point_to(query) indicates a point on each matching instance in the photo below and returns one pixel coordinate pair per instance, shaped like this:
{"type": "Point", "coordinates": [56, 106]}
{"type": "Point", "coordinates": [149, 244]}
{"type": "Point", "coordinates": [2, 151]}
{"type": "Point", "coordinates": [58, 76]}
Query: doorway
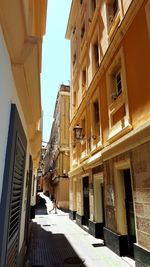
{"type": "Point", "coordinates": [86, 209]}
{"type": "Point", "coordinates": [102, 201]}
{"type": "Point", "coordinates": [75, 194]}
{"type": "Point", "coordinates": [130, 218]}
{"type": "Point", "coordinates": [98, 198]}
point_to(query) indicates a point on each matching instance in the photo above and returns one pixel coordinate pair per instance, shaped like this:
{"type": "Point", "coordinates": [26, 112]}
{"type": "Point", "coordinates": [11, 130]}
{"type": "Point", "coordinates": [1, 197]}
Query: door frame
{"type": "Point", "coordinates": [97, 182]}
{"type": "Point", "coordinates": [121, 218]}
{"type": "Point", "coordinates": [74, 185]}
{"type": "Point", "coordinates": [86, 219]}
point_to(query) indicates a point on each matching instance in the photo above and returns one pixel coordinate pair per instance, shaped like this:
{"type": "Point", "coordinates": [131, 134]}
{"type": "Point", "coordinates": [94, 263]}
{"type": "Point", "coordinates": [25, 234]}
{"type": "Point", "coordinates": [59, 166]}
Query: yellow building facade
{"type": "Point", "coordinates": [57, 157]}
{"type": "Point", "coordinates": [110, 101]}
{"type": "Point", "coordinates": [22, 26]}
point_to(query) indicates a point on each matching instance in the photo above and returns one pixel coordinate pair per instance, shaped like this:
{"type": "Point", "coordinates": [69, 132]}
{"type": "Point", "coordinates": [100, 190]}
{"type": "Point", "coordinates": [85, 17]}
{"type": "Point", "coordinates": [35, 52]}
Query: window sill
{"type": "Point", "coordinates": [117, 103]}
{"type": "Point", "coordinates": [83, 157]}
{"type": "Point", "coordinates": [96, 147]}
{"type": "Point", "coordinates": [83, 153]}
{"type": "Point", "coordinates": [74, 163]}
{"type": "Point", "coordinates": [119, 129]}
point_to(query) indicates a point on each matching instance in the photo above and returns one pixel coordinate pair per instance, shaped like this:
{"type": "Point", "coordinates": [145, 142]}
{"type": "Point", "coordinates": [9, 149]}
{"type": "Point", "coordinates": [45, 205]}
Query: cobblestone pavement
{"type": "Point", "coordinates": [56, 241]}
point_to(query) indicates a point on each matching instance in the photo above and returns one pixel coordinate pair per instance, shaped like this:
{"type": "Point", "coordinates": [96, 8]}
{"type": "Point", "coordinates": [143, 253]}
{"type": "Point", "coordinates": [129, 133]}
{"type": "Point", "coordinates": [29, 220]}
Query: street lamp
{"type": "Point", "coordinates": [77, 132]}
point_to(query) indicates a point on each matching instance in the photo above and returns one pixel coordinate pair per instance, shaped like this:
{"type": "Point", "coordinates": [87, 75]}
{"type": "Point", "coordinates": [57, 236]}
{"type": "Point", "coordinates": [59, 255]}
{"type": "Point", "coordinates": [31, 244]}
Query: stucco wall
{"type": "Point", "coordinates": [8, 95]}
{"type": "Point", "coordinates": [137, 58]}
{"type": "Point", "coordinates": [62, 193]}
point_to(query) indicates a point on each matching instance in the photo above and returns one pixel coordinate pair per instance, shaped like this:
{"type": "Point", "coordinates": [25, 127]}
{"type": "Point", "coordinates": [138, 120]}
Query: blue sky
{"type": "Point", "coordinates": [55, 59]}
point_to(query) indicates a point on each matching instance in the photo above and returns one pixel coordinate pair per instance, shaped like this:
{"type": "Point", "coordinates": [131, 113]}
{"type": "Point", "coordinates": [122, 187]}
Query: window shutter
{"type": "Point", "coordinates": [16, 203]}
{"type": "Point", "coordinates": [28, 187]}
{"type": "Point", "coordinates": [12, 191]}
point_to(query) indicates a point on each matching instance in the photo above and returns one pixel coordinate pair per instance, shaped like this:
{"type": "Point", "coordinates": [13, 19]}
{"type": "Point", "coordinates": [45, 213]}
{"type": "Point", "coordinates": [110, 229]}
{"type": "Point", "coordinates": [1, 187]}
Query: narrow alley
{"type": "Point", "coordinates": [57, 241]}
{"type": "Point", "coordinates": [75, 133]}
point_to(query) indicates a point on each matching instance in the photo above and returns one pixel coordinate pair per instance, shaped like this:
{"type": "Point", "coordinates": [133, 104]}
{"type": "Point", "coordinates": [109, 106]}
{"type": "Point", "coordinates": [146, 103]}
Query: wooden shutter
{"type": "Point", "coordinates": [16, 203]}
{"type": "Point", "coordinates": [28, 187]}
{"type": "Point", "coordinates": [12, 191]}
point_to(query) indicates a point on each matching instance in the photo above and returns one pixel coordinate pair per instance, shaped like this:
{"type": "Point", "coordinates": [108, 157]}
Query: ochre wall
{"type": "Point", "coordinates": [136, 46]}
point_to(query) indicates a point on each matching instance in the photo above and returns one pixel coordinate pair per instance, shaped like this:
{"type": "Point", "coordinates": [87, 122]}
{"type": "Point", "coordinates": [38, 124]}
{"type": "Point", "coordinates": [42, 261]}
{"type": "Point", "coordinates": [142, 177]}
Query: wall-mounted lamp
{"type": "Point", "coordinates": [77, 132]}
{"type": "Point", "coordinates": [78, 137]}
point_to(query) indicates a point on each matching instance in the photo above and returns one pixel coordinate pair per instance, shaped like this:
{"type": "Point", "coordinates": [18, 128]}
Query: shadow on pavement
{"type": "Point", "coordinates": [51, 250]}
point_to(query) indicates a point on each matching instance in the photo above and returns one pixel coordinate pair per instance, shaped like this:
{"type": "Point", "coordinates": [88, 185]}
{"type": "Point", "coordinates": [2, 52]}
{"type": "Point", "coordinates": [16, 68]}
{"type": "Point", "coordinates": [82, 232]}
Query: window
{"type": "Point", "coordinates": [116, 84]}
{"type": "Point", "coordinates": [74, 59]}
{"type": "Point", "coordinates": [95, 123]}
{"type": "Point", "coordinates": [112, 8]}
{"type": "Point", "coordinates": [82, 31]}
{"type": "Point", "coordinates": [96, 118]}
{"type": "Point", "coordinates": [74, 30]}
{"type": "Point", "coordinates": [115, 79]}
{"type": "Point", "coordinates": [113, 16]}
{"type": "Point", "coordinates": [92, 7]}
{"type": "Point", "coordinates": [95, 56]}
{"type": "Point", "coordinates": [83, 80]}
{"type": "Point", "coordinates": [84, 141]}
{"type": "Point", "coordinates": [118, 110]}
{"type": "Point", "coordinates": [83, 128]}
{"type": "Point", "coordinates": [74, 99]}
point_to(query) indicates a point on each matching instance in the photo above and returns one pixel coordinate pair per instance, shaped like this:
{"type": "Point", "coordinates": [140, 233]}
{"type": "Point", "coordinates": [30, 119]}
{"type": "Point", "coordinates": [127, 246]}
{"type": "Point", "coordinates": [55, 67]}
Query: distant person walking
{"type": "Point", "coordinates": [54, 205]}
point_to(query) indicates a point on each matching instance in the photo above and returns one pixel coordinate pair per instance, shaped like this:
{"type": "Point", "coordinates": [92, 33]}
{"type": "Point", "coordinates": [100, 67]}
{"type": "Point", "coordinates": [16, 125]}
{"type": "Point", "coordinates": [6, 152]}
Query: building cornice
{"type": "Point", "coordinates": [23, 25]}
{"type": "Point", "coordinates": [91, 162]}
{"type": "Point", "coordinates": [72, 18]}
{"type": "Point", "coordinates": [131, 140]}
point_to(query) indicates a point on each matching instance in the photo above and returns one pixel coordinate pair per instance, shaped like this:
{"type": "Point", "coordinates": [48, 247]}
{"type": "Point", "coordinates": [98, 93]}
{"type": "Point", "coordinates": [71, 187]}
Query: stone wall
{"type": "Point", "coordinates": [140, 158]}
